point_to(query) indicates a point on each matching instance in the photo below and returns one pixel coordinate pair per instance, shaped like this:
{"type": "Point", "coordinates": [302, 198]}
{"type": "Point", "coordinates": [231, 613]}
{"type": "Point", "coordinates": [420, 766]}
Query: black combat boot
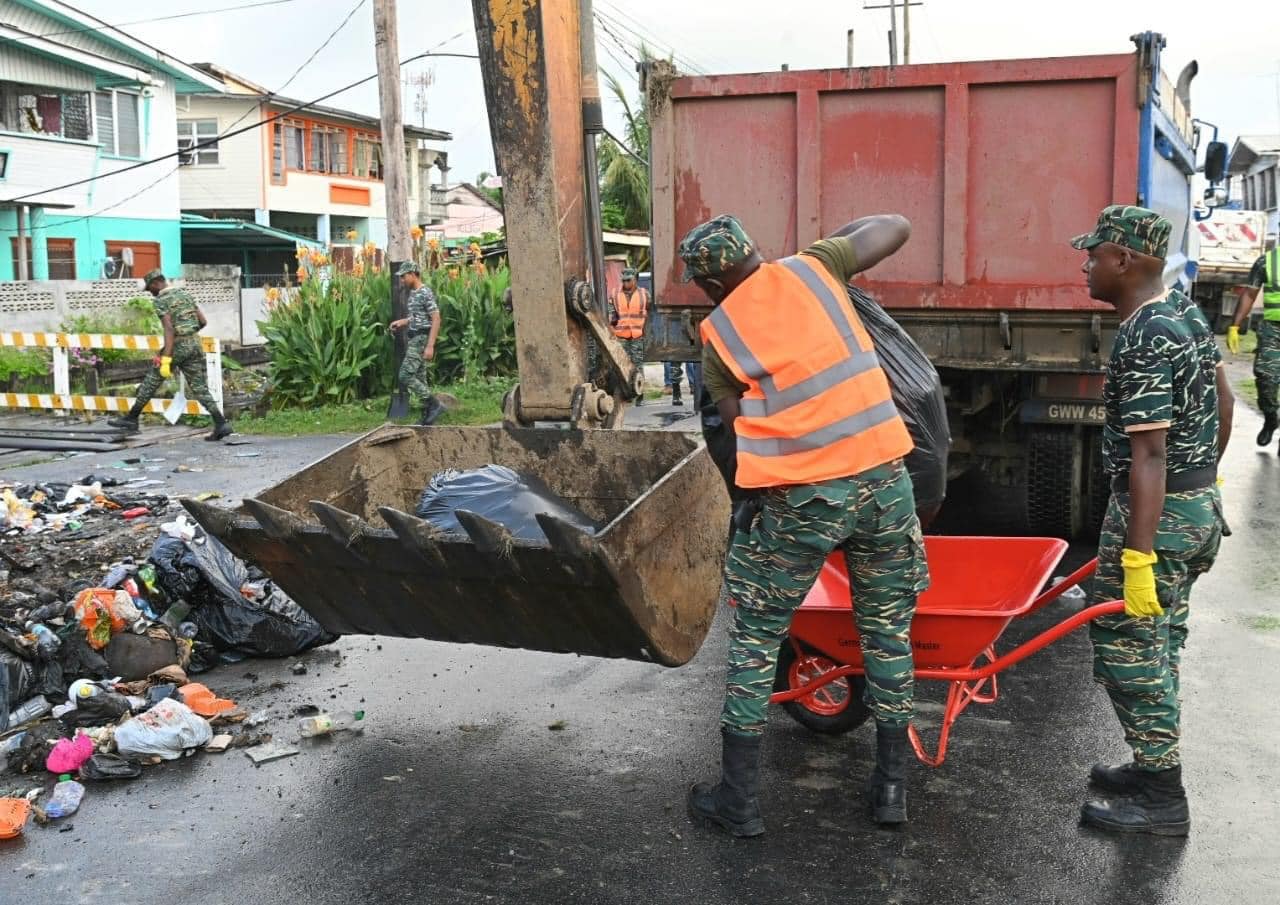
{"type": "Point", "coordinates": [128, 421]}
{"type": "Point", "coordinates": [221, 428]}
{"type": "Point", "coordinates": [887, 787]}
{"type": "Point", "coordinates": [675, 394]}
{"type": "Point", "coordinates": [431, 411]}
{"type": "Point", "coordinates": [731, 803]}
{"type": "Point", "coordinates": [1157, 805]}
{"type": "Point", "coordinates": [1120, 779]}
{"type": "Point", "coordinates": [1269, 425]}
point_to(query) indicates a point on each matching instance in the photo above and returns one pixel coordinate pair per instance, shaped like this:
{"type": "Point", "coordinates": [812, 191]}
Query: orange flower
{"type": "Point", "coordinates": [351, 235]}
{"type": "Point", "coordinates": [358, 268]}
{"type": "Point", "coordinates": [416, 232]}
{"type": "Point", "coordinates": [300, 252]}
{"type": "Point", "coordinates": [370, 249]}
{"type": "Point", "coordinates": [433, 243]}
{"type": "Point", "coordinates": [302, 274]}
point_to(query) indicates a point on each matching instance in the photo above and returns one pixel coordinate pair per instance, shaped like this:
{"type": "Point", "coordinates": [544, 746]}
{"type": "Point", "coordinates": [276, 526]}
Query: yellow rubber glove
{"type": "Point", "coordinates": [1233, 339]}
{"type": "Point", "coordinates": [166, 366]}
{"type": "Point", "coordinates": [1140, 599]}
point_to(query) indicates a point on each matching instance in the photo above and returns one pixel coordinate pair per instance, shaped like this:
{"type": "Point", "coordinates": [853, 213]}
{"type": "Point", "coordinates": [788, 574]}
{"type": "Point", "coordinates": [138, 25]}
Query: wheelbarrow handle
{"type": "Point", "coordinates": [1053, 593]}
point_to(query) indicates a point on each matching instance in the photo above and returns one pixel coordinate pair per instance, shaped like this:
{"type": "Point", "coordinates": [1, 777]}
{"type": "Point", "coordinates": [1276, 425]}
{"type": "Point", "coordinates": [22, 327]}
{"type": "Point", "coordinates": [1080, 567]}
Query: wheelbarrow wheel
{"type": "Point", "coordinates": [834, 708]}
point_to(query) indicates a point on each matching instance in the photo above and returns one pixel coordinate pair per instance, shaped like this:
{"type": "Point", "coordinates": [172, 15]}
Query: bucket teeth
{"type": "Point", "coordinates": [566, 539]}
{"type": "Point", "coordinates": [217, 521]}
{"type": "Point", "coordinates": [279, 524]}
{"type": "Point", "coordinates": [416, 534]}
{"type": "Point", "coordinates": [346, 529]}
{"type": "Point", "coordinates": [493, 540]}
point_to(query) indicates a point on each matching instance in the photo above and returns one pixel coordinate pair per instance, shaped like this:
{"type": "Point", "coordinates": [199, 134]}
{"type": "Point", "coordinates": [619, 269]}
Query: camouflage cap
{"type": "Point", "coordinates": [628, 273]}
{"type": "Point", "coordinates": [711, 248]}
{"type": "Point", "coordinates": [408, 267]}
{"type": "Point", "coordinates": [1136, 228]}
{"type": "Point", "coordinates": [152, 275]}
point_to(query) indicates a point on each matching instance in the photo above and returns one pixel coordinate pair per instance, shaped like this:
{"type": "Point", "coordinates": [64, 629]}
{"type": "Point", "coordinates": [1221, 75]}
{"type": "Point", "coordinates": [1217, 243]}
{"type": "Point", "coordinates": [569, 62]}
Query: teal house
{"type": "Point", "coordinates": [81, 100]}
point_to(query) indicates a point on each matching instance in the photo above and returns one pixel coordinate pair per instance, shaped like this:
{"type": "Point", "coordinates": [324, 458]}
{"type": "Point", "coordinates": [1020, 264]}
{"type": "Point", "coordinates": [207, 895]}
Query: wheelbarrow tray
{"type": "Point", "coordinates": [977, 586]}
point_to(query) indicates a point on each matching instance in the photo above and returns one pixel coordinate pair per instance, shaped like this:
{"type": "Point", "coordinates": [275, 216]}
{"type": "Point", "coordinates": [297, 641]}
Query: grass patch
{"type": "Point", "coordinates": [1249, 343]}
{"type": "Point", "coordinates": [1248, 389]}
{"type": "Point", "coordinates": [1264, 623]}
{"type": "Point", "coordinates": [479, 402]}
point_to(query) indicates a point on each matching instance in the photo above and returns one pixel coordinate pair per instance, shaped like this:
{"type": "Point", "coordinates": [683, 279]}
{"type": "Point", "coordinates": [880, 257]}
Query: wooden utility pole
{"type": "Point", "coordinates": [892, 7]}
{"type": "Point", "coordinates": [386, 47]}
{"type": "Point", "coordinates": [848, 50]}
{"type": "Point", "coordinates": [906, 32]}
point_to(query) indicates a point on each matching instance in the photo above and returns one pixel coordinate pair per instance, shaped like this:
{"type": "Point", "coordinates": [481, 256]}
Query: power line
{"type": "Point", "coordinates": [195, 12]}
{"type": "Point", "coordinates": [333, 34]}
{"type": "Point", "coordinates": [605, 22]}
{"type": "Point", "coordinates": [622, 17]}
{"type": "Point", "coordinates": [212, 141]}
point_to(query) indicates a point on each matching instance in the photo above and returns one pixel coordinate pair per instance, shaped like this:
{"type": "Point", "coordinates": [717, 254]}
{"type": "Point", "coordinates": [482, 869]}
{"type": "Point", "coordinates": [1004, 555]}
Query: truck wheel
{"type": "Point", "coordinates": [1055, 507]}
{"type": "Point", "coordinates": [832, 709]}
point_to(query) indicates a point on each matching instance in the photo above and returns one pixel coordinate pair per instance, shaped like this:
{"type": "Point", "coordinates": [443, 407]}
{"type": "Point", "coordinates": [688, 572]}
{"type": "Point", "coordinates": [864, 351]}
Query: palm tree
{"type": "Point", "coordinates": [624, 177]}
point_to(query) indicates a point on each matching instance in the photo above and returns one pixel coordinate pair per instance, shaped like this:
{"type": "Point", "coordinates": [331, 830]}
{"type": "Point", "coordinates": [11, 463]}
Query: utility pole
{"type": "Point", "coordinates": [892, 7]}
{"type": "Point", "coordinates": [848, 51]}
{"type": "Point", "coordinates": [386, 46]}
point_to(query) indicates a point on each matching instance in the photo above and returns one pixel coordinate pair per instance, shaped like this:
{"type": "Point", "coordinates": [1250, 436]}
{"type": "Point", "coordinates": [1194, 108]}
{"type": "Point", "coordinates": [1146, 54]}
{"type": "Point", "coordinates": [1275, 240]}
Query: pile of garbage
{"type": "Point", "coordinates": [32, 509]}
{"type": "Point", "coordinates": [94, 677]}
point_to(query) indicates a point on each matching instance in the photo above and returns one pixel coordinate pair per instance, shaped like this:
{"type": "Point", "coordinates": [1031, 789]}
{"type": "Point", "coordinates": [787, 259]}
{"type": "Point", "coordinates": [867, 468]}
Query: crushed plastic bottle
{"type": "Point", "coordinates": [1073, 594]}
{"type": "Point", "coordinates": [116, 576]}
{"type": "Point", "coordinates": [66, 798]}
{"type": "Point", "coordinates": [47, 643]}
{"type": "Point", "coordinates": [31, 710]}
{"type": "Point", "coordinates": [329, 723]}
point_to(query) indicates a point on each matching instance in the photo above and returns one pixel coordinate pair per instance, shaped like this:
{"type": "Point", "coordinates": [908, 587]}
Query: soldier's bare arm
{"type": "Point", "coordinates": [875, 238]}
{"type": "Point", "coordinates": [169, 336]}
{"type": "Point", "coordinates": [430, 351]}
{"type": "Point", "coordinates": [201, 318]}
{"type": "Point", "coordinates": [1226, 410]}
{"type": "Point", "coordinates": [1247, 298]}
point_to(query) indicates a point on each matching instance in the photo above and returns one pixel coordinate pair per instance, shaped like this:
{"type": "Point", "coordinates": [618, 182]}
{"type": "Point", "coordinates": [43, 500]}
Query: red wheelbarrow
{"type": "Point", "coordinates": [978, 586]}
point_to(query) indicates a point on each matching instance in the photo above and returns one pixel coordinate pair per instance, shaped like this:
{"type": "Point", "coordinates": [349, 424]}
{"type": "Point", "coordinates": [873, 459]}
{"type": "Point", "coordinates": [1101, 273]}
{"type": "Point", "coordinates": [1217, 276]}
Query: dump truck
{"type": "Point", "coordinates": [997, 164]}
{"type": "Point", "coordinates": [338, 536]}
{"type": "Point", "coordinates": [1230, 242]}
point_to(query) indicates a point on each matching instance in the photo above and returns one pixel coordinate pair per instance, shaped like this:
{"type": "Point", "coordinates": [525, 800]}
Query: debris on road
{"type": "Point", "coordinates": [264, 754]}
{"type": "Point", "coordinates": [14, 813]}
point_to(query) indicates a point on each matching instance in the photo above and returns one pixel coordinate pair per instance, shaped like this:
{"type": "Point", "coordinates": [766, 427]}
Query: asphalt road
{"type": "Point", "coordinates": [459, 792]}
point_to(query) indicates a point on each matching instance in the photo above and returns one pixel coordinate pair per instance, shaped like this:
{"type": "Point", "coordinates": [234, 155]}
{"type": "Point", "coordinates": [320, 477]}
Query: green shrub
{"type": "Point", "coordinates": [477, 333]}
{"type": "Point", "coordinates": [25, 363]}
{"type": "Point", "coordinates": [136, 318]}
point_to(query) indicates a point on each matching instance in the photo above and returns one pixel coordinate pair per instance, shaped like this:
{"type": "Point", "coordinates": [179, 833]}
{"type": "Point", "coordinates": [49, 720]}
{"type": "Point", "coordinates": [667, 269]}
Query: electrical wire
{"type": "Point", "coordinates": [195, 12]}
{"type": "Point", "coordinates": [609, 25]}
{"type": "Point", "coordinates": [629, 23]}
{"type": "Point", "coordinates": [231, 134]}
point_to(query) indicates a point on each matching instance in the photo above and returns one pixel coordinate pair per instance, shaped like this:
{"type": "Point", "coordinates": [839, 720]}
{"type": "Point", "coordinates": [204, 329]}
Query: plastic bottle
{"type": "Point", "coordinates": [117, 575]}
{"type": "Point", "coordinates": [66, 798]}
{"type": "Point", "coordinates": [47, 643]}
{"type": "Point", "coordinates": [147, 575]}
{"type": "Point", "coordinates": [31, 710]}
{"type": "Point", "coordinates": [188, 630]}
{"type": "Point", "coordinates": [329, 723]}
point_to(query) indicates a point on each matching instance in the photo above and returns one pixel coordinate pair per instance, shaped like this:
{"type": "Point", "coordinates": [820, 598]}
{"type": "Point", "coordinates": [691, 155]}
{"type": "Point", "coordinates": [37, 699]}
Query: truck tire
{"type": "Point", "coordinates": [831, 710]}
{"type": "Point", "coordinates": [1055, 505]}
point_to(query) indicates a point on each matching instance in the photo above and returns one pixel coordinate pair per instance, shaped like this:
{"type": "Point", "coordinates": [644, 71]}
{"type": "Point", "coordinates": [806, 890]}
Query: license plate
{"type": "Point", "coordinates": [1066, 411]}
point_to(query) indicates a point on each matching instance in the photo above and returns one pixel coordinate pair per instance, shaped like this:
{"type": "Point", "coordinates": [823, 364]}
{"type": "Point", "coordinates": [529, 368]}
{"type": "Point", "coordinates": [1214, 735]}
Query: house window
{"type": "Point", "coordinates": [146, 257]}
{"type": "Point", "coordinates": [294, 144]}
{"type": "Point", "coordinates": [328, 151]}
{"type": "Point", "coordinates": [44, 111]}
{"type": "Point", "coordinates": [13, 254]}
{"type": "Point", "coordinates": [277, 153]}
{"type": "Point", "coordinates": [198, 131]}
{"type": "Point", "coordinates": [119, 124]}
{"type": "Point", "coordinates": [368, 157]}
{"type": "Point", "coordinates": [62, 258]}
{"type": "Point", "coordinates": [1270, 176]}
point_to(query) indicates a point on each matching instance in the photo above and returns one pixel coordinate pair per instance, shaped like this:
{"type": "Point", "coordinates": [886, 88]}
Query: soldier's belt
{"type": "Point", "coordinates": [414, 334]}
{"type": "Point", "coordinates": [1180, 482]}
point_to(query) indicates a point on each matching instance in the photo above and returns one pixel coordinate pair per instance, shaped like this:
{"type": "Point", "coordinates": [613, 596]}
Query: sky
{"type": "Point", "coordinates": [1238, 87]}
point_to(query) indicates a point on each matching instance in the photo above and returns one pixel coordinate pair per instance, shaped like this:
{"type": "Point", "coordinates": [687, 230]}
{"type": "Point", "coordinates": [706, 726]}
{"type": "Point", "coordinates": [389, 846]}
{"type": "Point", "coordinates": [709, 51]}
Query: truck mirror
{"type": "Point", "coordinates": [1215, 161]}
{"type": "Point", "coordinates": [1215, 196]}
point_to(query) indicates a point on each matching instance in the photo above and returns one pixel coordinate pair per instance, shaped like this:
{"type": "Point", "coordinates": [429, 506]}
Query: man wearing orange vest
{"type": "Point", "coordinates": [627, 312]}
{"type": "Point", "coordinates": [820, 442]}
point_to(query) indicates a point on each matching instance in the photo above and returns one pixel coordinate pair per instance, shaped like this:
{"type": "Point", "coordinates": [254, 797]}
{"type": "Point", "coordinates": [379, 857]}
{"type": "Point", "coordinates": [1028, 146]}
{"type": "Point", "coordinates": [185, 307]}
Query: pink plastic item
{"type": "Point", "coordinates": [69, 754]}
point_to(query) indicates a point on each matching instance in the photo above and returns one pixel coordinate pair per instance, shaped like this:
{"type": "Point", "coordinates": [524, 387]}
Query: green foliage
{"type": "Point", "coordinates": [136, 318]}
{"type": "Point", "coordinates": [477, 333]}
{"type": "Point", "coordinates": [624, 179]}
{"type": "Point", "coordinates": [25, 363]}
{"type": "Point", "coordinates": [326, 340]}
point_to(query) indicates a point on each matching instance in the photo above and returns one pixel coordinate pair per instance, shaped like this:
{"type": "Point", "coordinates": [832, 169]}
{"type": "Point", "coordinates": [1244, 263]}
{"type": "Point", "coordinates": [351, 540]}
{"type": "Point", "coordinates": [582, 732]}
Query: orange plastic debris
{"type": "Point", "coordinates": [203, 701]}
{"type": "Point", "coordinates": [96, 613]}
{"type": "Point", "coordinates": [13, 816]}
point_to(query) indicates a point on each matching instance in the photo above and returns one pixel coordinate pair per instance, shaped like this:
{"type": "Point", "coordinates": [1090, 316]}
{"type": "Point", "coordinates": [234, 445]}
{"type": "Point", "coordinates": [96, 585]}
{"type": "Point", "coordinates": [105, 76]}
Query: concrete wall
{"type": "Point", "coordinates": [238, 179]}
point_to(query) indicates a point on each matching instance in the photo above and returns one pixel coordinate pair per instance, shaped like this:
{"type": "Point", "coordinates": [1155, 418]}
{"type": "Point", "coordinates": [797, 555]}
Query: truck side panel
{"type": "Point", "coordinates": [996, 163]}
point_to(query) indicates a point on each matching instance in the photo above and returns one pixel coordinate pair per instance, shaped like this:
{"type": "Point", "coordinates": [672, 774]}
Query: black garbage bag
{"type": "Point", "coordinates": [500, 495]}
{"type": "Point", "coordinates": [209, 577]}
{"type": "Point", "coordinates": [917, 391]}
{"type": "Point", "coordinates": [17, 681]}
{"type": "Point", "coordinates": [105, 767]}
{"type": "Point", "coordinates": [101, 709]}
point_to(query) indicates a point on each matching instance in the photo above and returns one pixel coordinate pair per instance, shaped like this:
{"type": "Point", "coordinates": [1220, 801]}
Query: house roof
{"type": "Point", "coordinates": [238, 86]}
{"type": "Point", "coordinates": [187, 79]}
{"type": "Point", "coordinates": [479, 195]}
{"type": "Point", "coordinates": [1249, 149]}
{"type": "Point", "coordinates": [205, 232]}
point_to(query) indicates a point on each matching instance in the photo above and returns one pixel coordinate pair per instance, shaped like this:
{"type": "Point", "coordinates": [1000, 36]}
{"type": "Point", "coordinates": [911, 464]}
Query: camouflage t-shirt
{"type": "Point", "coordinates": [1162, 374]}
{"type": "Point", "coordinates": [422, 304]}
{"type": "Point", "coordinates": [181, 308]}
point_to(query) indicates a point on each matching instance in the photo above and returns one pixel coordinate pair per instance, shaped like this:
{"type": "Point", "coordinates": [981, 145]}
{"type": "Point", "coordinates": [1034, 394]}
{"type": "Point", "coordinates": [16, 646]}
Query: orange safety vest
{"type": "Point", "coordinates": [817, 404]}
{"type": "Point", "coordinates": [631, 313]}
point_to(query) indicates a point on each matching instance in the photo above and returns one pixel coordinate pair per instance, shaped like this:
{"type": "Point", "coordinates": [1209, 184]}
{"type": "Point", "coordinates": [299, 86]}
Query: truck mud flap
{"type": "Point", "coordinates": [339, 538]}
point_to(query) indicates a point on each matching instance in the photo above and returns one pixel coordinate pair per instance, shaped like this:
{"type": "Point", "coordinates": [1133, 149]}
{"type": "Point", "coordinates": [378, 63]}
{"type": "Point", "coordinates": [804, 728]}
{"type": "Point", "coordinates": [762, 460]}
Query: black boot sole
{"type": "Point", "coordinates": [1179, 829]}
{"type": "Point", "coordinates": [748, 830]}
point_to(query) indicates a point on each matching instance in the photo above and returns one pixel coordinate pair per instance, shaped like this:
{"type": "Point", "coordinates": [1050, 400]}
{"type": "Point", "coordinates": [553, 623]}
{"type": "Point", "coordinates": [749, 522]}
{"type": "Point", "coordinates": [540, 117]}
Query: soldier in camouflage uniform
{"type": "Point", "coordinates": [628, 309]}
{"type": "Point", "coordinates": [423, 325]}
{"type": "Point", "coordinates": [1168, 417]}
{"type": "Point", "coordinates": [182, 320]}
{"type": "Point", "coordinates": [784, 534]}
{"type": "Point", "coordinates": [1264, 278]}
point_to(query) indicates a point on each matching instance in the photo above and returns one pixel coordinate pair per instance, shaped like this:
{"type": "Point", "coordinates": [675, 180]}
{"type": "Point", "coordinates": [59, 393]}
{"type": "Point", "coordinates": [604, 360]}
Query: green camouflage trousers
{"type": "Point", "coordinates": [414, 368]}
{"type": "Point", "coordinates": [1137, 660]}
{"type": "Point", "coordinates": [1266, 367]}
{"type": "Point", "coordinates": [635, 350]}
{"type": "Point", "coordinates": [872, 519]}
{"type": "Point", "coordinates": [188, 358]}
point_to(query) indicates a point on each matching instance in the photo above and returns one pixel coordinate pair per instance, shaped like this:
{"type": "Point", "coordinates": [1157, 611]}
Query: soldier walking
{"type": "Point", "coordinates": [820, 452]}
{"type": "Point", "coordinates": [1168, 418]}
{"type": "Point", "coordinates": [1264, 277]}
{"type": "Point", "coordinates": [628, 309]}
{"type": "Point", "coordinates": [182, 320]}
{"type": "Point", "coordinates": [423, 325]}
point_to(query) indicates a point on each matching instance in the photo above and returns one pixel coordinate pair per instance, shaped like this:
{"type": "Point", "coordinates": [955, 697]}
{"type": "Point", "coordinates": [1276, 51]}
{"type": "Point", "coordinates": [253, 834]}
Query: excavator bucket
{"type": "Point", "coordinates": [339, 538]}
